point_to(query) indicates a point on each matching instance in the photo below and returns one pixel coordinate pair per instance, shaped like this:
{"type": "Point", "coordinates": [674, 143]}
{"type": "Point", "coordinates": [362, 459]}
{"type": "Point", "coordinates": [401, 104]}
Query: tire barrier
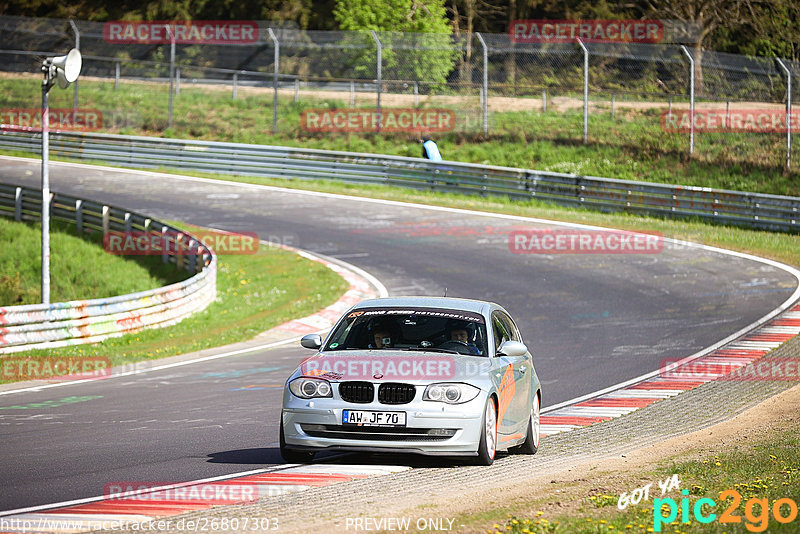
{"type": "Point", "coordinates": [60, 324]}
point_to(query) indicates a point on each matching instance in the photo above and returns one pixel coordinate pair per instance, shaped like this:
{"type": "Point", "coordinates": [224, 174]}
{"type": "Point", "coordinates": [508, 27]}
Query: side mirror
{"type": "Point", "coordinates": [311, 341]}
{"type": "Point", "coordinates": [512, 348]}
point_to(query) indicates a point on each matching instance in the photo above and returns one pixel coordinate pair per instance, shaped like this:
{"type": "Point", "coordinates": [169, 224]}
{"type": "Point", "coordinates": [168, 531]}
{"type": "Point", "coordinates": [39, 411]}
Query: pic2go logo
{"type": "Point", "coordinates": [756, 511]}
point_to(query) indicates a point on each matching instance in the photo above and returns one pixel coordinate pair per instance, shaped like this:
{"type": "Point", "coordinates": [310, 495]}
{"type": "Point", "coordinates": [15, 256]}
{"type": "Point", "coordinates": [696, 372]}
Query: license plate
{"type": "Point", "coordinates": [373, 418]}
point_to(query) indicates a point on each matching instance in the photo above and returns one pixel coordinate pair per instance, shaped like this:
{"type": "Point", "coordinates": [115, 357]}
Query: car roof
{"type": "Point", "coordinates": [476, 306]}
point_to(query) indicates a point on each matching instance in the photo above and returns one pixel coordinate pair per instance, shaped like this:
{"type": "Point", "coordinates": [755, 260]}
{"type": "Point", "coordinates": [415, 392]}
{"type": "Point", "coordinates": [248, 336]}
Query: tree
{"type": "Point", "coordinates": [707, 15]}
{"type": "Point", "coordinates": [424, 51]}
{"type": "Point", "coordinates": [470, 16]}
{"type": "Point", "coordinates": [772, 30]}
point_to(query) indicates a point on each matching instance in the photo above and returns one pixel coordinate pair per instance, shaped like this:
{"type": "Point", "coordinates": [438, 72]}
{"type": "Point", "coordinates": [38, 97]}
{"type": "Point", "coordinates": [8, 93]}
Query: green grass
{"type": "Point", "coordinates": [630, 146]}
{"type": "Point", "coordinates": [254, 293]}
{"type": "Point", "coordinates": [767, 469]}
{"type": "Point", "coordinates": [96, 274]}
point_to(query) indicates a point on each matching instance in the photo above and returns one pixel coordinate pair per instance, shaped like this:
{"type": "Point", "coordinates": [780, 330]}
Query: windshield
{"type": "Point", "coordinates": [424, 329]}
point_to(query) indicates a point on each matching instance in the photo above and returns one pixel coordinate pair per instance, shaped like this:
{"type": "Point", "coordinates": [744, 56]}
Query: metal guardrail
{"type": "Point", "coordinates": [89, 321]}
{"type": "Point", "coordinates": [755, 210]}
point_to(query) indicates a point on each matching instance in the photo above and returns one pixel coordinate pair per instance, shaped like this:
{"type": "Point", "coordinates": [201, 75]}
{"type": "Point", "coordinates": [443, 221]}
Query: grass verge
{"type": "Point", "coordinates": [630, 145]}
{"type": "Point", "coordinates": [254, 293]}
{"type": "Point", "coordinates": [96, 275]}
{"type": "Point", "coordinates": [750, 485]}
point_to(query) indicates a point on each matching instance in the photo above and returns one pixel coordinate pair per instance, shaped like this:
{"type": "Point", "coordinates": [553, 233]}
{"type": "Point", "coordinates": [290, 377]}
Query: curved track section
{"type": "Point", "coordinates": [592, 321]}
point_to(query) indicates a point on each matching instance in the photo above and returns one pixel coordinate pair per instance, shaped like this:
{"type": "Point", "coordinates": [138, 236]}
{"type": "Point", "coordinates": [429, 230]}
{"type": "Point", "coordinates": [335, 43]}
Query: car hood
{"type": "Point", "coordinates": [396, 365]}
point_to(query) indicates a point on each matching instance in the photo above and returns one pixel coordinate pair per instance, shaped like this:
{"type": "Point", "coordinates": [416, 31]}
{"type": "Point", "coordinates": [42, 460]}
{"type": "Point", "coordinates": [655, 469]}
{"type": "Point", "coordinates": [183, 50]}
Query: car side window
{"type": "Point", "coordinates": [511, 327]}
{"type": "Point", "coordinates": [500, 331]}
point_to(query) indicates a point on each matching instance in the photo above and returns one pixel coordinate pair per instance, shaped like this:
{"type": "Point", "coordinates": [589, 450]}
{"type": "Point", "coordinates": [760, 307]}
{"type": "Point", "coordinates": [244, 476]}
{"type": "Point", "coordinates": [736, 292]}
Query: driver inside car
{"type": "Point", "coordinates": [381, 339]}
{"type": "Point", "coordinates": [461, 334]}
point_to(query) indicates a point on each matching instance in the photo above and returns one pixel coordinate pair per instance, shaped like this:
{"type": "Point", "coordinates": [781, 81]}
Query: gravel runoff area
{"type": "Point", "coordinates": [429, 491]}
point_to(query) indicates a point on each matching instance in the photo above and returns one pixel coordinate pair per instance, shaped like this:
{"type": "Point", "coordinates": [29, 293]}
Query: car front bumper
{"type": "Point", "coordinates": [432, 428]}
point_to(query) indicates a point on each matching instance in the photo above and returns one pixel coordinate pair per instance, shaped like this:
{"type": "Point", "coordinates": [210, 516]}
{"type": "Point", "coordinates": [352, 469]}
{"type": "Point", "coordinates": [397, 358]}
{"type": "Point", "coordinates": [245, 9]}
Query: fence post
{"type": "Point", "coordinates": [105, 213]}
{"type": "Point", "coordinates": [379, 81]}
{"type": "Point", "coordinates": [171, 70]}
{"type": "Point", "coordinates": [296, 89]}
{"type": "Point", "coordinates": [585, 91]}
{"type": "Point", "coordinates": [116, 75]}
{"type": "Point", "coordinates": [612, 105]}
{"type": "Point", "coordinates": [691, 98]}
{"type": "Point", "coordinates": [192, 255]}
{"type": "Point", "coordinates": [79, 216]}
{"type": "Point", "coordinates": [544, 100]}
{"type": "Point", "coordinates": [276, 60]}
{"type": "Point", "coordinates": [164, 245]}
{"type": "Point", "coordinates": [78, 47]}
{"type": "Point", "coordinates": [788, 113]}
{"type": "Point", "coordinates": [727, 113]}
{"type": "Point", "coordinates": [352, 93]}
{"type": "Point", "coordinates": [485, 110]}
{"type": "Point", "coordinates": [177, 80]}
{"type": "Point", "coordinates": [235, 84]}
{"type": "Point", "coordinates": [18, 204]}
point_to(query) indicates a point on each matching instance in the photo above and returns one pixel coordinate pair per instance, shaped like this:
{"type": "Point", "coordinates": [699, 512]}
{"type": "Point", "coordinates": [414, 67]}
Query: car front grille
{"type": "Point", "coordinates": [360, 392]}
{"type": "Point", "coordinates": [391, 393]}
{"type": "Point", "coordinates": [378, 433]}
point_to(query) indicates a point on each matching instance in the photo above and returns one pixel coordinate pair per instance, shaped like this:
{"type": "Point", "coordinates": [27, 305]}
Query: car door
{"type": "Point", "coordinates": [514, 389]}
{"type": "Point", "coordinates": [523, 373]}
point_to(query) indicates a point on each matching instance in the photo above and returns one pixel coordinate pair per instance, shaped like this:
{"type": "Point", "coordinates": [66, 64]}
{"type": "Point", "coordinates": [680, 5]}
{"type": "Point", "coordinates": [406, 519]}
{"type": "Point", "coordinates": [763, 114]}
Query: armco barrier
{"type": "Point", "coordinates": [88, 321]}
{"type": "Point", "coordinates": [754, 210]}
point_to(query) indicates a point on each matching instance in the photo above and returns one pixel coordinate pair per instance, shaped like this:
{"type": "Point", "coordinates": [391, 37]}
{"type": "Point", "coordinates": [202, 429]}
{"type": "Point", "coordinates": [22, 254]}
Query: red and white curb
{"type": "Point", "coordinates": [157, 504]}
{"type": "Point", "coordinates": [715, 365]}
{"type": "Point", "coordinates": [362, 286]}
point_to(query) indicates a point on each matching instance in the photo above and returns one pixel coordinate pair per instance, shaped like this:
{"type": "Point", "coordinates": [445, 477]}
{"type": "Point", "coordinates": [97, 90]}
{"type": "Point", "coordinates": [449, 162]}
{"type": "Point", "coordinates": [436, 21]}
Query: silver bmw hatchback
{"type": "Point", "coordinates": [428, 375]}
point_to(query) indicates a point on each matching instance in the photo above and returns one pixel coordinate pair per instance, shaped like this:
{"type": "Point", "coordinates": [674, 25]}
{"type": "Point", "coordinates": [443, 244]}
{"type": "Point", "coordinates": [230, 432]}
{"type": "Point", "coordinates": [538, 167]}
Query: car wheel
{"type": "Point", "coordinates": [531, 443]}
{"type": "Point", "coordinates": [294, 456]}
{"type": "Point", "coordinates": [487, 448]}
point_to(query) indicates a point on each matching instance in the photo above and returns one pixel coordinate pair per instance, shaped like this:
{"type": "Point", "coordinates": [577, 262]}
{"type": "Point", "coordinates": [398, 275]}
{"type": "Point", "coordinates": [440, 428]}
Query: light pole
{"type": "Point", "coordinates": [64, 70]}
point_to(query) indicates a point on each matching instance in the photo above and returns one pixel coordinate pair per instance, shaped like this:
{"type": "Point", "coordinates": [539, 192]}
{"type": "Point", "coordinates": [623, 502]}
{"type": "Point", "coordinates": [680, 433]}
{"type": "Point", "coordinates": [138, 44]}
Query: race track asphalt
{"type": "Point", "coordinates": [591, 321]}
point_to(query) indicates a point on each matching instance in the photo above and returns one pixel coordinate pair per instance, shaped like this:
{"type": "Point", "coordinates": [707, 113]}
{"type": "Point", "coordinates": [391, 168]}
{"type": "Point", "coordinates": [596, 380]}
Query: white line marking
{"type": "Point", "coordinates": [379, 287]}
{"type": "Point", "coordinates": [87, 500]}
{"type": "Point", "coordinates": [683, 244]}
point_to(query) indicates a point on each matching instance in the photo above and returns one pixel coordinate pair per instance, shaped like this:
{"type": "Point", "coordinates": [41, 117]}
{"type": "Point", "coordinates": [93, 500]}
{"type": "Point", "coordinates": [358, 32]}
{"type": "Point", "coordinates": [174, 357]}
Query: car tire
{"type": "Point", "coordinates": [487, 447]}
{"type": "Point", "coordinates": [293, 456]}
{"type": "Point", "coordinates": [531, 443]}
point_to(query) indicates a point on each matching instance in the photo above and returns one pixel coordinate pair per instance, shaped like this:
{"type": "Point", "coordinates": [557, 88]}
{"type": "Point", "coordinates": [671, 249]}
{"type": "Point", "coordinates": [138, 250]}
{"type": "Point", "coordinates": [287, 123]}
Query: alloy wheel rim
{"type": "Point", "coordinates": [535, 419]}
{"type": "Point", "coordinates": [491, 429]}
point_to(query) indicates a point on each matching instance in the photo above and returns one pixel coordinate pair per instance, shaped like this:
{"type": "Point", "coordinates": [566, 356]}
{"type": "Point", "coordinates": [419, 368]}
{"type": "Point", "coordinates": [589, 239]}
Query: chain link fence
{"type": "Point", "coordinates": [695, 103]}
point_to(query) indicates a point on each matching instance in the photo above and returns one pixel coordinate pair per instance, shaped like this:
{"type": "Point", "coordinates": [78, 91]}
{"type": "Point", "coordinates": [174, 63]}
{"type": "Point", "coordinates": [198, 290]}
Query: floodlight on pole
{"type": "Point", "coordinates": [64, 70]}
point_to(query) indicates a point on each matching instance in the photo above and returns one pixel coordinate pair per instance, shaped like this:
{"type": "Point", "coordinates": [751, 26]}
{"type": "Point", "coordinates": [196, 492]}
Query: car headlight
{"type": "Point", "coordinates": [310, 388]}
{"type": "Point", "coordinates": [451, 393]}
